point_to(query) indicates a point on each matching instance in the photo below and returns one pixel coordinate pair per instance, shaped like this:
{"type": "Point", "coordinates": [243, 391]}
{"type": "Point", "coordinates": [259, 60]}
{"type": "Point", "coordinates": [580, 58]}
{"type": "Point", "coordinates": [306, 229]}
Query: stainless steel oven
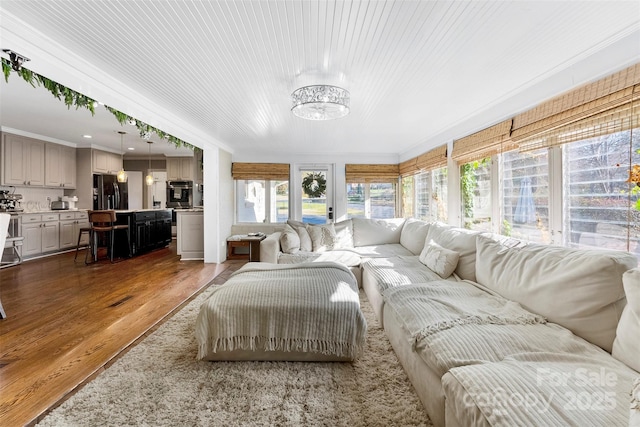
{"type": "Point", "coordinates": [180, 194]}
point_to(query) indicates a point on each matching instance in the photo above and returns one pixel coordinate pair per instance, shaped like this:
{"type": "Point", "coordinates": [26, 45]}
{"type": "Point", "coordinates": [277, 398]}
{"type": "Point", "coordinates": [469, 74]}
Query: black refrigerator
{"type": "Point", "coordinates": [108, 193]}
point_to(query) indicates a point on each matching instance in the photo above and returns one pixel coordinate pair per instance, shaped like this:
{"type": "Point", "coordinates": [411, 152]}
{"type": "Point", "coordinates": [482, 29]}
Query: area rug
{"type": "Point", "coordinates": [159, 382]}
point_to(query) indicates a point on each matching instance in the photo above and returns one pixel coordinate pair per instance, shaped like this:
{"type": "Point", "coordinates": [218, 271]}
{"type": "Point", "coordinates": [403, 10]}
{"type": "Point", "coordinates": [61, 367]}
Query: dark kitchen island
{"type": "Point", "coordinates": [149, 228]}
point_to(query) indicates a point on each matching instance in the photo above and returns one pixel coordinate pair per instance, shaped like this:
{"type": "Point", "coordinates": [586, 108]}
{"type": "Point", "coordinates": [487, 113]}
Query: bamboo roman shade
{"type": "Point", "coordinates": [279, 171]}
{"type": "Point", "coordinates": [485, 143]}
{"type": "Point", "coordinates": [596, 109]}
{"type": "Point", "coordinates": [356, 173]}
{"type": "Point", "coordinates": [432, 159]}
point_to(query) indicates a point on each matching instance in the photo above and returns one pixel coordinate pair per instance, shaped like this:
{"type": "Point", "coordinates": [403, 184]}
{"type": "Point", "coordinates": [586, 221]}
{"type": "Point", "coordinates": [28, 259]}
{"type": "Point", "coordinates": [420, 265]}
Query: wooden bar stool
{"type": "Point", "coordinates": [80, 233]}
{"type": "Point", "coordinates": [104, 222]}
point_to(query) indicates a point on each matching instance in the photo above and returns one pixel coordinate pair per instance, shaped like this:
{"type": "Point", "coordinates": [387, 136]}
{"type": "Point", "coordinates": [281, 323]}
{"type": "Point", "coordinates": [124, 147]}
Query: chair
{"type": "Point", "coordinates": [4, 229]}
{"type": "Point", "coordinates": [104, 222]}
{"type": "Point", "coordinates": [80, 233]}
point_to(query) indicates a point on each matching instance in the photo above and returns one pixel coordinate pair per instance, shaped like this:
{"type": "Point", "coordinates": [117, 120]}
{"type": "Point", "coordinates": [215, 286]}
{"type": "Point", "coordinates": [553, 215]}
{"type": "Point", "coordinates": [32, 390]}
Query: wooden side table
{"type": "Point", "coordinates": [244, 241]}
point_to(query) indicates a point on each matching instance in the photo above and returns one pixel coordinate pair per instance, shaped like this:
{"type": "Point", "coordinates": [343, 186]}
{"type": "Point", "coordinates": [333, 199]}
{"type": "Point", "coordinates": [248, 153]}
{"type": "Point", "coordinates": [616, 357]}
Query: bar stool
{"type": "Point", "coordinates": [80, 233]}
{"type": "Point", "coordinates": [105, 222]}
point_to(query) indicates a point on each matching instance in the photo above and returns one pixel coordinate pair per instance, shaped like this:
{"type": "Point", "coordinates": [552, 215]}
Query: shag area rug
{"type": "Point", "coordinates": [159, 382]}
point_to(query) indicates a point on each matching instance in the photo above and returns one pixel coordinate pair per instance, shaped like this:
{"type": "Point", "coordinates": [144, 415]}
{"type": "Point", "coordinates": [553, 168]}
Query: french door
{"type": "Point", "coordinates": [315, 193]}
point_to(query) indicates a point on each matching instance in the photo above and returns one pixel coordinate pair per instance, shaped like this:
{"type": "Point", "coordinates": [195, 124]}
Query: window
{"type": "Point", "coordinates": [255, 204]}
{"type": "Point", "coordinates": [424, 195]}
{"type": "Point", "coordinates": [525, 195]}
{"type": "Point", "coordinates": [600, 205]}
{"type": "Point", "coordinates": [374, 200]}
{"type": "Point", "coordinates": [475, 191]}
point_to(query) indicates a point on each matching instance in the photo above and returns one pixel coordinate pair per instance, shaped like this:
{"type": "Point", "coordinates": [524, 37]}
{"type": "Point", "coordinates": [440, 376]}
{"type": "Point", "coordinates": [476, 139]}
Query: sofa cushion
{"type": "Point", "coordinates": [369, 232]}
{"type": "Point", "coordinates": [305, 239]}
{"type": "Point", "coordinates": [323, 237]}
{"type": "Point", "coordinates": [289, 240]}
{"type": "Point", "coordinates": [441, 260]}
{"type": "Point", "coordinates": [344, 234]}
{"type": "Point", "coordinates": [459, 240]}
{"type": "Point", "coordinates": [413, 235]}
{"type": "Point", "coordinates": [578, 289]}
{"type": "Point", "coordinates": [626, 346]}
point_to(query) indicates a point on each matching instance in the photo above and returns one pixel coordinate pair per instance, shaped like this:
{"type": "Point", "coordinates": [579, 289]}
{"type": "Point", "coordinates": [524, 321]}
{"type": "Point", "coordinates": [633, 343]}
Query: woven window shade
{"type": "Point", "coordinates": [605, 95]}
{"type": "Point", "coordinates": [432, 159]}
{"type": "Point", "coordinates": [273, 171]}
{"type": "Point", "coordinates": [408, 167]}
{"type": "Point", "coordinates": [356, 173]}
{"type": "Point", "coordinates": [485, 143]}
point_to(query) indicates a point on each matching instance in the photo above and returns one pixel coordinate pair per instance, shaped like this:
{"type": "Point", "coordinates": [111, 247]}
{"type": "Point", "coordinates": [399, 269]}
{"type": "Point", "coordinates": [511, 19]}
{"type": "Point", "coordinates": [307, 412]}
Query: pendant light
{"type": "Point", "coordinates": [122, 175]}
{"type": "Point", "coordinates": [149, 178]}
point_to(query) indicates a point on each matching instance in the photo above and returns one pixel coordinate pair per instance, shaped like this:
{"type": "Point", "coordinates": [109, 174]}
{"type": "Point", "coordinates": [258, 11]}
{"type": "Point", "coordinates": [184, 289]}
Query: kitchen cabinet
{"type": "Point", "coordinates": [105, 162]}
{"type": "Point", "coordinates": [180, 169]}
{"type": "Point", "coordinates": [150, 229]}
{"type": "Point", "coordinates": [70, 225]}
{"type": "Point", "coordinates": [60, 166]}
{"type": "Point", "coordinates": [22, 161]}
{"type": "Point", "coordinates": [41, 234]}
{"type": "Point", "coordinates": [190, 244]}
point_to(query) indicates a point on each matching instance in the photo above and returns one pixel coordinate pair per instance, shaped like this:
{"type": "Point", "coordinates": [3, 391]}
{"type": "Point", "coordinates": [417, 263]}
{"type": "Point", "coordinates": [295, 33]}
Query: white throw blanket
{"type": "Point", "coordinates": [426, 308]}
{"type": "Point", "coordinates": [311, 307]}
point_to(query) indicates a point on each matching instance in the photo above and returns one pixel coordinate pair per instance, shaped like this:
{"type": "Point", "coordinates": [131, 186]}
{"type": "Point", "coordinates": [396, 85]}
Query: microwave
{"type": "Point", "coordinates": [180, 194]}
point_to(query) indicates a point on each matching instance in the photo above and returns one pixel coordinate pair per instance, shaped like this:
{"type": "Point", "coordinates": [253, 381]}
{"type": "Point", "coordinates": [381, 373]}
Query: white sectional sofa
{"type": "Point", "coordinates": [492, 330]}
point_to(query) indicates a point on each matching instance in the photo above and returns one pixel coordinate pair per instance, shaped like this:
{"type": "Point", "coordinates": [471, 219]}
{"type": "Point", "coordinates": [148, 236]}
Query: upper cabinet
{"type": "Point", "coordinates": [30, 162]}
{"type": "Point", "coordinates": [105, 162]}
{"type": "Point", "coordinates": [22, 161]}
{"type": "Point", "coordinates": [60, 166]}
{"type": "Point", "coordinates": [180, 168]}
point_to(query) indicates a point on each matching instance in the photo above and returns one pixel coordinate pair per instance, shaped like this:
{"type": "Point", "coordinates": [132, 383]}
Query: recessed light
{"type": "Point", "coordinates": [87, 136]}
{"type": "Point", "coordinates": [131, 149]}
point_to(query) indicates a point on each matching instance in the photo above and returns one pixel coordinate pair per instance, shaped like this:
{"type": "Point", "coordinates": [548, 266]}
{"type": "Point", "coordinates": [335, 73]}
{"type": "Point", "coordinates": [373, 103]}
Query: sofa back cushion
{"type": "Point", "coordinates": [369, 232]}
{"type": "Point", "coordinates": [303, 234]}
{"type": "Point", "coordinates": [459, 240]}
{"type": "Point", "coordinates": [626, 346]}
{"type": "Point", "coordinates": [578, 289]}
{"type": "Point", "coordinates": [344, 234]}
{"type": "Point", "coordinates": [413, 235]}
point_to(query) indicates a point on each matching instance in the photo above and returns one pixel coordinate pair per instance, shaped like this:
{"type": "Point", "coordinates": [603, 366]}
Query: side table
{"type": "Point", "coordinates": [244, 241]}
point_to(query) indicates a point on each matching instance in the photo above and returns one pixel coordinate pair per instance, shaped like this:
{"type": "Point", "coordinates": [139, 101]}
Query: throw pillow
{"type": "Point", "coordinates": [301, 229]}
{"type": "Point", "coordinates": [440, 260]}
{"type": "Point", "coordinates": [289, 240]}
{"type": "Point", "coordinates": [344, 234]}
{"type": "Point", "coordinates": [626, 346]}
{"type": "Point", "coordinates": [323, 237]}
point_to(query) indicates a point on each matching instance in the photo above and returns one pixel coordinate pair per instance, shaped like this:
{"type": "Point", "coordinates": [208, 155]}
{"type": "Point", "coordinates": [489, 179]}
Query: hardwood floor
{"type": "Point", "coordinates": [67, 321]}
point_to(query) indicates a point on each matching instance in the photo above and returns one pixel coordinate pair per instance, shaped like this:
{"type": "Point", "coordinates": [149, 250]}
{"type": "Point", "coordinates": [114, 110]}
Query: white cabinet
{"type": "Point", "coordinates": [22, 161]}
{"type": "Point", "coordinates": [190, 236]}
{"type": "Point", "coordinates": [180, 169]}
{"type": "Point", "coordinates": [41, 233]}
{"type": "Point", "coordinates": [105, 162]}
{"type": "Point", "coordinates": [70, 224]}
{"type": "Point", "coordinates": [60, 166]}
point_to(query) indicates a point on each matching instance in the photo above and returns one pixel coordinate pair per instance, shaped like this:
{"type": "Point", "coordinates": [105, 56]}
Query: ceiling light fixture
{"type": "Point", "coordinates": [122, 175]}
{"type": "Point", "coordinates": [16, 59]}
{"type": "Point", "coordinates": [320, 102]}
{"type": "Point", "coordinates": [149, 178]}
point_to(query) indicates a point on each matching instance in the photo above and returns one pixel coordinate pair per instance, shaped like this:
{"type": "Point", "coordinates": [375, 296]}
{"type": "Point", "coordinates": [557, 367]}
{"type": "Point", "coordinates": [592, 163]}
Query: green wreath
{"type": "Point", "coordinates": [314, 185]}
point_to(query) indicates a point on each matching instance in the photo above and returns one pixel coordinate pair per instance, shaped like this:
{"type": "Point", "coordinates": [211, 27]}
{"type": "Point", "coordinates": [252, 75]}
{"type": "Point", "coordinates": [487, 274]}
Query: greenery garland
{"type": "Point", "coordinates": [314, 185]}
{"type": "Point", "coordinates": [71, 97]}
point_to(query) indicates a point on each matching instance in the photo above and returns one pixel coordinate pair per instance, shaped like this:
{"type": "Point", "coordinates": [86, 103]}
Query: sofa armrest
{"type": "Point", "coordinates": [270, 248]}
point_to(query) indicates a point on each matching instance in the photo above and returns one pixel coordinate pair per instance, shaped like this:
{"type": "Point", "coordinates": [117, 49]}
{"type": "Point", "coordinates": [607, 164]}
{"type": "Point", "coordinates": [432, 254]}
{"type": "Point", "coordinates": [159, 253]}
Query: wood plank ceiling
{"type": "Point", "coordinates": [415, 69]}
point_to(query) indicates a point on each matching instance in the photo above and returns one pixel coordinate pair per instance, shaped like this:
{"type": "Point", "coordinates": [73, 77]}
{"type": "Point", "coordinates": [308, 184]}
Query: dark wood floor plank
{"type": "Point", "coordinates": [66, 321]}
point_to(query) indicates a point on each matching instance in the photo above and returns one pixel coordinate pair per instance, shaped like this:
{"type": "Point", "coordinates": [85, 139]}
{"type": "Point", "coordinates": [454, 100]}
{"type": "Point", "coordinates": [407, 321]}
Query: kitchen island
{"type": "Point", "coordinates": [149, 229]}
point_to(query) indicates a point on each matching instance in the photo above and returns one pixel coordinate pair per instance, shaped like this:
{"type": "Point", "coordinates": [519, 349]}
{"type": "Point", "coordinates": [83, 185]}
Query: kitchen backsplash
{"type": "Point", "coordinates": [35, 199]}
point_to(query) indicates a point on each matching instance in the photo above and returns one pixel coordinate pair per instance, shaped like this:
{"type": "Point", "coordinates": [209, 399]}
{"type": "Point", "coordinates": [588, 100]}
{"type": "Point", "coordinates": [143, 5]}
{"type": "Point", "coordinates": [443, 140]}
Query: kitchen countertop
{"type": "Point", "coordinates": [189, 210]}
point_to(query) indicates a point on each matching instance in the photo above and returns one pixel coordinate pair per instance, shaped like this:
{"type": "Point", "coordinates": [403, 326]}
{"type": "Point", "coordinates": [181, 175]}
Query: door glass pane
{"type": "Point", "coordinates": [355, 201]}
{"type": "Point", "coordinates": [525, 195]}
{"type": "Point", "coordinates": [600, 210]}
{"type": "Point", "coordinates": [383, 200]}
{"type": "Point", "coordinates": [314, 196]}
{"type": "Point", "coordinates": [423, 196]}
{"type": "Point", "coordinates": [475, 188]}
{"type": "Point", "coordinates": [408, 196]}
